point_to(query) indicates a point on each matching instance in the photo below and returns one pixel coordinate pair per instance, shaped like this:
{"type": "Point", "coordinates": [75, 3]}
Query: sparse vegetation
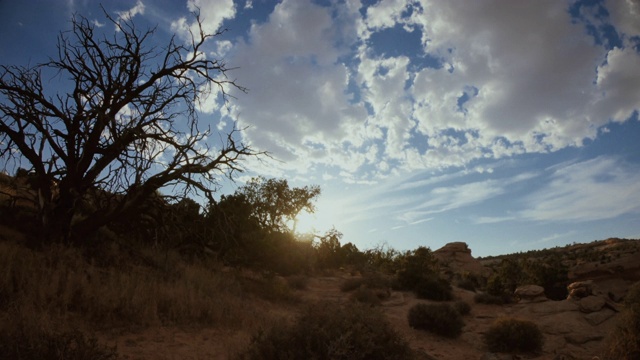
{"type": "Point", "coordinates": [21, 344]}
{"type": "Point", "coordinates": [433, 288]}
{"type": "Point", "coordinates": [486, 298]}
{"type": "Point", "coordinates": [624, 342]}
{"type": "Point", "coordinates": [441, 319]}
{"type": "Point", "coordinates": [514, 335]}
{"type": "Point", "coordinates": [462, 307]}
{"type": "Point", "coordinates": [330, 331]}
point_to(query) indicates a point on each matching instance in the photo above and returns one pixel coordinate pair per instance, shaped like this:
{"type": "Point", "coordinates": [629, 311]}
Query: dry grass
{"type": "Point", "coordinates": [56, 290]}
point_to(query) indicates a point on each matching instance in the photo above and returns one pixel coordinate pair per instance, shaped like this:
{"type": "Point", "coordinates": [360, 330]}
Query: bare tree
{"type": "Point", "coordinates": [124, 126]}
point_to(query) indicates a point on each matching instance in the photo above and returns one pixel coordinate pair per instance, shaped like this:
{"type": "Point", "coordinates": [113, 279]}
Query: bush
{"type": "Point", "coordinates": [37, 344]}
{"type": "Point", "coordinates": [485, 298]}
{"type": "Point", "coordinates": [433, 288]}
{"type": "Point", "coordinates": [624, 342]}
{"type": "Point", "coordinates": [371, 281]}
{"type": "Point", "coordinates": [467, 284]}
{"type": "Point", "coordinates": [298, 282]}
{"type": "Point", "coordinates": [441, 319]}
{"type": "Point", "coordinates": [366, 296]}
{"type": "Point", "coordinates": [415, 266]}
{"type": "Point", "coordinates": [329, 331]}
{"type": "Point", "coordinates": [462, 307]}
{"type": "Point", "coordinates": [514, 335]}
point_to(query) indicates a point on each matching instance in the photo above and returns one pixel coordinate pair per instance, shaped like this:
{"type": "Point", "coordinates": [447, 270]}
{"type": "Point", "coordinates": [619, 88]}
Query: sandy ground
{"type": "Point", "coordinates": [166, 343]}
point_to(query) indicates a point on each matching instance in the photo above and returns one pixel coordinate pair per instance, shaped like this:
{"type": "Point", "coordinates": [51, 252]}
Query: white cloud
{"type": "Point", "coordinates": [597, 189]}
{"type": "Point", "coordinates": [625, 14]}
{"type": "Point", "coordinates": [534, 81]}
{"type": "Point", "coordinates": [297, 105]}
{"type": "Point", "coordinates": [129, 14]}
{"type": "Point", "coordinates": [213, 13]}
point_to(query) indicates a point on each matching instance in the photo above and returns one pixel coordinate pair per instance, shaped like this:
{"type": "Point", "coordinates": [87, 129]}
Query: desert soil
{"type": "Point", "coordinates": [196, 343]}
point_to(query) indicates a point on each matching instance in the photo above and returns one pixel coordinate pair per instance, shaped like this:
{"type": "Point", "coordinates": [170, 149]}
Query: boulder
{"type": "Point", "coordinates": [580, 289]}
{"type": "Point", "coordinates": [530, 293]}
{"type": "Point", "coordinates": [591, 304]}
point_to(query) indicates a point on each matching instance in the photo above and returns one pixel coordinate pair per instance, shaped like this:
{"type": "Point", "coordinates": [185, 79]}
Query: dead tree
{"type": "Point", "coordinates": [122, 122]}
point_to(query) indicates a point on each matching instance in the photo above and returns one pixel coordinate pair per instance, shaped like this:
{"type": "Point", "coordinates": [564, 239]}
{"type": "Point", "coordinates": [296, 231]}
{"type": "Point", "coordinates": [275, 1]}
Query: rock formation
{"type": "Point", "coordinates": [457, 257]}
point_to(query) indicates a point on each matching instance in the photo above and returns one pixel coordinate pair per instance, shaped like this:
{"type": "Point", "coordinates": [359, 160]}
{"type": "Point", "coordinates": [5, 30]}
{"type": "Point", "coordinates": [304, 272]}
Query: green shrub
{"type": "Point", "coordinates": [514, 335]}
{"type": "Point", "coordinates": [462, 307]}
{"type": "Point", "coordinates": [433, 288]}
{"type": "Point", "coordinates": [37, 344]}
{"type": "Point", "coordinates": [415, 266]}
{"type": "Point", "coordinates": [441, 319]}
{"type": "Point", "coordinates": [485, 298]}
{"type": "Point", "coordinates": [329, 331]}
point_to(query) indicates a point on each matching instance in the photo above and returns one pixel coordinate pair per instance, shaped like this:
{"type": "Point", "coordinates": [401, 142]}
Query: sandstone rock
{"type": "Point", "coordinates": [591, 304]}
{"type": "Point", "coordinates": [457, 257]}
{"type": "Point", "coordinates": [580, 289]}
{"type": "Point", "coordinates": [530, 293]}
{"type": "Point", "coordinates": [553, 307]}
{"type": "Point", "coordinates": [579, 339]}
{"type": "Point", "coordinates": [597, 318]}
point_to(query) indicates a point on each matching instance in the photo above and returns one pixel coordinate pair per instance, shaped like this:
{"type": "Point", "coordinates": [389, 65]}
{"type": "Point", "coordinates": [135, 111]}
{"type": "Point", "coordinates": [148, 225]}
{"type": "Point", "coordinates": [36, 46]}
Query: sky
{"type": "Point", "coordinates": [508, 125]}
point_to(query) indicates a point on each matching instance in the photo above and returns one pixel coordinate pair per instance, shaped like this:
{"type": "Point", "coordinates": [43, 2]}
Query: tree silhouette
{"type": "Point", "coordinates": [124, 126]}
{"type": "Point", "coordinates": [275, 203]}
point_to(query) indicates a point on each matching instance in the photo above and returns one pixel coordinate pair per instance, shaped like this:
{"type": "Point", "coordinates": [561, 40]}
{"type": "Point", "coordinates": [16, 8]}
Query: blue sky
{"type": "Point", "coordinates": [510, 125]}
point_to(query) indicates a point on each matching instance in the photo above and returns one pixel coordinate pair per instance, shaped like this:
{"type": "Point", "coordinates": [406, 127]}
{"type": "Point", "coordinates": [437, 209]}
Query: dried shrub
{"type": "Point", "coordinates": [329, 331]}
{"type": "Point", "coordinates": [514, 335]}
{"type": "Point", "coordinates": [485, 298]}
{"type": "Point", "coordinates": [298, 282]}
{"type": "Point", "coordinates": [433, 288]}
{"type": "Point", "coordinates": [366, 296]}
{"type": "Point", "coordinates": [441, 319]}
{"type": "Point", "coordinates": [462, 307]}
{"type": "Point", "coordinates": [467, 284]}
{"type": "Point", "coordinates": [624, 342]}
{"type": "Point", "coordinates": [373, 281]}
{"type": "Point", "coordinates": [23, 344]}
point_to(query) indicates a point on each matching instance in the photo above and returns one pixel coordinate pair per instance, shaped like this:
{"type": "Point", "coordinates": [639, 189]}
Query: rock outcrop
{"type": "Point", "coordinates": [530, 293]}
{"type": "Point", "coordinates": [457, 257]}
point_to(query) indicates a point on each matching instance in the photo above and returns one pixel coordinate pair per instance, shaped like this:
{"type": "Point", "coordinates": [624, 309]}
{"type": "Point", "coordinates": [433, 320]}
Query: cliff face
{"type": "Point", "coordinates": [457, 257]}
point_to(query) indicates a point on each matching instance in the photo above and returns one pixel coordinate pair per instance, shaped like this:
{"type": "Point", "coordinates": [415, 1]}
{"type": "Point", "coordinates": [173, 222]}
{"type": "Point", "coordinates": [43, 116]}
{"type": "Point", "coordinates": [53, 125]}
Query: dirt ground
{"type": "Point", "coordinates": [173, 343]}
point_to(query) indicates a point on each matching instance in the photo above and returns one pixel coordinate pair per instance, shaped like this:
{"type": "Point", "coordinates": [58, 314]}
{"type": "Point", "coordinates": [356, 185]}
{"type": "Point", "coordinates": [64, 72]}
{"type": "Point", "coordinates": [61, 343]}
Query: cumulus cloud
{"type": "Point", "coordinates": [298, 104]}
{"type": "Point", "coordinates": [502, 80]}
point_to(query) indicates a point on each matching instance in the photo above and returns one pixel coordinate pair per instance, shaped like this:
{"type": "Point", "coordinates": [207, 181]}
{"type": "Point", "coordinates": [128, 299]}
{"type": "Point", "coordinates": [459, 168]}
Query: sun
{"type": "Point", "coordinates": [306, 223]}
{"type": "Point", "coordinates": [320, 221]}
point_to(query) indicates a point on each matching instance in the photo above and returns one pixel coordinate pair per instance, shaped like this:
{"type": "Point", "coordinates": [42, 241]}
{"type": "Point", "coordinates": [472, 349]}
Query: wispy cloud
{"type": "Point", "coordinates": [601, 188]}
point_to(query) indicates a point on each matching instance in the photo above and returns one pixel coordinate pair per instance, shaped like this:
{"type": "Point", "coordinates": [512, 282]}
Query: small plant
{"type": "Point", "coordinates": [37, 344]}
{"type": "Point", "coordinates": [485, 298]}
{"type": "Point", "coordinates": [467, 284]}
{"type": "Point", "coordinates": [374, 281]}
{"type": "Point", "coordinates": [366, 296]}
{"type": "Point", "coordinates": [441, 319]}
{"type": "Point", "coordinates": [624, 342]}
{"type": "Point", "coordinates": [514, 335]}
{"type": "Point", "coordinates": [298, 282]}
{"type": "Point", "coordinates": [462, 307]}
{"type": "Point", "coordinates": [433, 288]}
{"type": "Point", "coordinates": [329, 331]}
